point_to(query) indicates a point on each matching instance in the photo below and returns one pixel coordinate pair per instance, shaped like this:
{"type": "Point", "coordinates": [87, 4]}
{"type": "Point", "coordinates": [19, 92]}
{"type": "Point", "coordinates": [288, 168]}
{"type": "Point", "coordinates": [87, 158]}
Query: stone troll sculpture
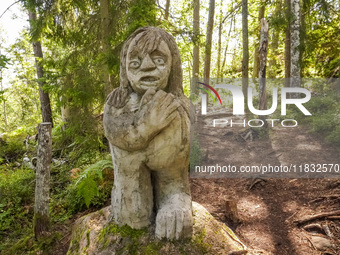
{"type": "Point", "coordinates": [146, 121]}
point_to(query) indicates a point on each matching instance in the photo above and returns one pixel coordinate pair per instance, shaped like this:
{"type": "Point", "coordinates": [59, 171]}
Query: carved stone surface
{"type": "Point", "coordinates": [147, 123]}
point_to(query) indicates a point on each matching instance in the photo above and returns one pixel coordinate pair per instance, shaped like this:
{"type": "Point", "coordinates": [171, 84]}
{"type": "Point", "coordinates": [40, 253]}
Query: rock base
{"type": "Point", "coordinates": [93, 234]}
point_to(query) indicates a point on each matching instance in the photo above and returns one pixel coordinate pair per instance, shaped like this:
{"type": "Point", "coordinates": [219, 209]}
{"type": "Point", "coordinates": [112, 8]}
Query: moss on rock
{"type": "Point", "coordinates": [94, 234]}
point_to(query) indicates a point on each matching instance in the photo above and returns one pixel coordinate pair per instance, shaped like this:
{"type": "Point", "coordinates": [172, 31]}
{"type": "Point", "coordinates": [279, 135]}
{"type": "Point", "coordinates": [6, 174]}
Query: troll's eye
{"type": "Point", "coordinates": [134, 64]}
{"type": "Point", "coordinates": [158, 60]}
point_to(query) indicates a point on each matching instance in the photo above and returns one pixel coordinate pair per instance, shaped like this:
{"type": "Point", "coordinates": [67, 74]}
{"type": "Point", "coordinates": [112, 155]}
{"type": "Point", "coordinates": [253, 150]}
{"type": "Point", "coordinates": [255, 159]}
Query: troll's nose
{"type": "Point", "coordinates": [147, 64]}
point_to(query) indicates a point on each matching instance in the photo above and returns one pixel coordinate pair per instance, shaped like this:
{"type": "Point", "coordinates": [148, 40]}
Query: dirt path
{"type": "Point", "coordinates": [267, 211]}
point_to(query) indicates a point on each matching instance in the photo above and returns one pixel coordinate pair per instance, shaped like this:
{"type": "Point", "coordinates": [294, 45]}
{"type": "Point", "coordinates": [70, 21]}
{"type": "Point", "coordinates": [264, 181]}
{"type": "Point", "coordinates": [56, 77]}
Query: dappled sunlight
{"type": "Point", "coordinates": [289, 206]}
{"type": "Point", "coordinates": [253, 208]}
{"type": "Point", "coordinates": [308, 147]}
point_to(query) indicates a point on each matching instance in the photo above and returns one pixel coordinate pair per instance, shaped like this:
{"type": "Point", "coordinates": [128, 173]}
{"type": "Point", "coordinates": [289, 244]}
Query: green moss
{"type": "Point", "coordinates": [199, 243]}
{"type": "Point", "coordinates": [101, 213]}
{"type": "Point", "coordinates": [153, 248]}
{"type": "Point", "coordinates": [124, 231]}
{"type": "Point", "coordinates": [74, 245]}
{"type": "Point", "coordinates": [88, 236]}
{"type": "Point", "coordinates": [132, 236]}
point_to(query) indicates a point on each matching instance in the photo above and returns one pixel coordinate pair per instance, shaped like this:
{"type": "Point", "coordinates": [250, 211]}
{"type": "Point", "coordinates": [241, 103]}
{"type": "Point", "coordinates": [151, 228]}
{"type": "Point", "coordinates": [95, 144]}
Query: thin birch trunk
{"type": "Point", "coordinates": [263, 62]}
{"type": "Point", "coordinates": [227, 44]}
{"type": "Point", "coordinates": [295, 44]}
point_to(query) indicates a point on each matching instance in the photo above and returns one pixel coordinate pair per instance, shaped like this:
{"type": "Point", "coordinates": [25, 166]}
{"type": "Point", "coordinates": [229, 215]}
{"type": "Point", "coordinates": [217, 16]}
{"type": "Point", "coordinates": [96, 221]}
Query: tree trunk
{"type": "Point", "coordinates": [275, 44]}
{"type": "Point", "coordinates": [210, 26]}
{"type": "Point", "coordinates": [219, 49]}
{"type": "Point", "coordinates": [42, 184]}
{"type": "Point", "coordinates": [263, 61]}
{"type": "Point", "coordinates": [105, 34]}
{"type": "Point", "coordinates": [287, 44]}
{"type": "Point", "coordinates": [196, 50]}
{"type": "Point", "coordinates": [257, 45]}
{"type": "Point", "coordinates": [245, 60]}
{"type": "Point", "coordinates": [4, 102]}
{"type": "Point", "coordinates": [65, 112]}
{"type": "Point", "coordinates": [167, 7]}
{"type": "Point", "coordinates": [44, 96]}
{"type": "Point", "coordinates": [227, 43]}
{"type": "Point", "coordinates": [295, 46]}
{"type": "Point", "coordinates": [302, 47]}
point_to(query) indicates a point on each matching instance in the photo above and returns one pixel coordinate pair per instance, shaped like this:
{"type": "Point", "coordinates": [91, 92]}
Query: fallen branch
{"type": "Point", "coordinates": [314, 226]}
{"type": "Point", "coordinates": [317, 216]}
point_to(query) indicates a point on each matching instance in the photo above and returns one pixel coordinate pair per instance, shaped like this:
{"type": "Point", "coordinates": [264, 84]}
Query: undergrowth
{"type": "Point", "coordinates": [325, 119]}
{"type": "Point", "coordinates": [81, 179]}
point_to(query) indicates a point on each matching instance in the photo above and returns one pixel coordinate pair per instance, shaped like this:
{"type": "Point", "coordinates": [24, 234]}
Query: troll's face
{"type": "Point", "coordinates": [148, 63]}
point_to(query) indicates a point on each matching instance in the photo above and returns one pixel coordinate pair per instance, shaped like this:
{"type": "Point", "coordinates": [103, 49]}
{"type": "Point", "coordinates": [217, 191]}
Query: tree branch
{"type": "Point", "coordinates": [8, 8]}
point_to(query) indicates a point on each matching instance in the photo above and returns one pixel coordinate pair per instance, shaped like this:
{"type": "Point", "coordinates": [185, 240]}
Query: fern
{"type": "Point", "coordinates": [87, 184]}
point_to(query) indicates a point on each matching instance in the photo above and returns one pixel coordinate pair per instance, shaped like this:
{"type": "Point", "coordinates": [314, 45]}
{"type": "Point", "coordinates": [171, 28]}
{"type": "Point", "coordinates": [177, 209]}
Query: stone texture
{"type": "Point", "coordinates": [147, 123]}
{"type": "Point", "coordinates": [94, 234]}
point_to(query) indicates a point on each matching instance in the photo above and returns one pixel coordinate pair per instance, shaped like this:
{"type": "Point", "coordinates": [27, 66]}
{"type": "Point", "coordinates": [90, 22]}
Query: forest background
{"type": "Point", "coordinates": [79, 65]}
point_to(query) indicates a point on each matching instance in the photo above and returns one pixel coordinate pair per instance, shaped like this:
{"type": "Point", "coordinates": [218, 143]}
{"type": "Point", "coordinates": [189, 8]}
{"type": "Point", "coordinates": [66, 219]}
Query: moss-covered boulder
{"type": "Point", "coordinates": [94, 234]}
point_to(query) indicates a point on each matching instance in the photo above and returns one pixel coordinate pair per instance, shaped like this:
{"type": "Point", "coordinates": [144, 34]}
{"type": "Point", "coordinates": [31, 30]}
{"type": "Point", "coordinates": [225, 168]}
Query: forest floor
{"type": "Point", "coordinates": [267, 211]}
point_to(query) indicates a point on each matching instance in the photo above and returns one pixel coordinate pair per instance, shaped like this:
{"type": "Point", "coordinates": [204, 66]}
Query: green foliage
{"type": "Point", "coordinates": [322, 54]}
{"type": "Point", "coordinates": [325, 117]}
{"type": "Point", "coordinates": [29, 246]}
{"type": "Point", "coordinates": [141, 13]}
{"type": "Point", "coordinates": [12, 148]}
{"type": "Point", "coordinates": [16, 198]}
{"type": "Point", "coordinates": [3, 61]}
{"type": "Point", "coordinates": [22, 97]}
{"type": "Point", "coordinates": [93, 186]}
{"type": "Point", "coordinates": [195, 154]}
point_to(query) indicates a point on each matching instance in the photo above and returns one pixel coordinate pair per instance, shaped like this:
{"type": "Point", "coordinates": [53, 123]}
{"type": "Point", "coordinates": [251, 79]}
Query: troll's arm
{"type": "Point", "coordinates": [133, 130]}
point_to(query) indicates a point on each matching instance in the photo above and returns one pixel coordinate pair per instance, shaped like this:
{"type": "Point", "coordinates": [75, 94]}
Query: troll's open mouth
{"type": "Point", "coordinates": [148, 79]}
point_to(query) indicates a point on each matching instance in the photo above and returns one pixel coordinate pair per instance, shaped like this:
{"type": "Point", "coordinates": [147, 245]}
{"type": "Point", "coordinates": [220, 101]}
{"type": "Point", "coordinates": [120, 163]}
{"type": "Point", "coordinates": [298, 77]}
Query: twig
{"type": "Point", "coordinates": [291, 216]}
{"type": "Point", "coordinates": [8, 8]}
{"type": "Point", "coordinates": [311, 242]}
{"type": "Point", "coordinates": [242, 137]}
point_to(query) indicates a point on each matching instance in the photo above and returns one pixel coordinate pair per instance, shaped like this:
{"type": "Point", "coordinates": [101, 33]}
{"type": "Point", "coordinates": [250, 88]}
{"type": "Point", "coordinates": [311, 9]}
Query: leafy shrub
{"type": "Point", "coordinates": [93, 186]}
